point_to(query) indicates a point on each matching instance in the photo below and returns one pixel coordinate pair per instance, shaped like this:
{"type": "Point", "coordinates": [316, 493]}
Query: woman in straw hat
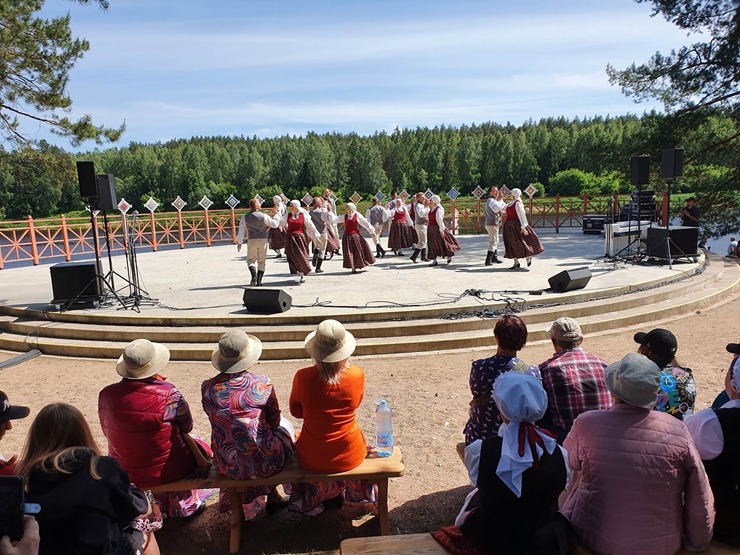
{"type": "Point", "coordinates": [520, 240]}
{"type": "Point", "coordinates": [441, 242]}
{"type": "Point", "coordinates": [326, 396]}
{"type": "Point", "coordinates": [88, 504]}
{"type": "Point", "coordinates": [249, 437]}
{"type": "Point", "coordinates": [356, 252]}
{"type": "Point", "coordinates": [518, 476]}
{"type": "Point", "coordinates": [638, 482]}
{"type": "Point", "coordinates": [148, 422]}
{"type": "Point", "coordinates": [299, 226]}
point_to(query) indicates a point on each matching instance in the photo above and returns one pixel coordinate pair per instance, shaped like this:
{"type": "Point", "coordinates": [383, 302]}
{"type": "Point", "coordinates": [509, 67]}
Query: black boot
{"type": "Point", "coordinates": [495, 258]}
{"type": "Point", "coordinates": [254, 275]}
{"type": "Point", "coordinates": [382, 252]}
{"type": "Point", "coordinates": [318, 270]}
{"type": "Point", "coordinates": [489, 255]}
{"type": "Point", "coordinates": [315, 258]}
{"type": "Point", "coordinates": [260, 275]}
{"type": "Point", "coordinates": [424, 255]}
{"type": "Point", "coordinates": [377, 250]}
{"type": "Point", "coordinates": [415, 255]}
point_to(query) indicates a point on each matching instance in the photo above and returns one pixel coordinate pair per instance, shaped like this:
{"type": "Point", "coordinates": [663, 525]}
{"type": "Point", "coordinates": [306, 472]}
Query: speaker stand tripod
{"type": "Point", "coordinates": [138, 294]}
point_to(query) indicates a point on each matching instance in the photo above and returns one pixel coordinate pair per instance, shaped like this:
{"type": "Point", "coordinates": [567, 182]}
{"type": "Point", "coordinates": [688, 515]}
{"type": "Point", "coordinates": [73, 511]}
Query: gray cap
{"type": "Point", "coordinates": [635, 380]}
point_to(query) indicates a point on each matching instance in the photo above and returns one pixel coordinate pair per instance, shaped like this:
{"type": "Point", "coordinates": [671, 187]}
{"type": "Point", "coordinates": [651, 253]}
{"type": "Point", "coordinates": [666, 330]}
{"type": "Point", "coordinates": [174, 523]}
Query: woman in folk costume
{"type": "Point", "coordinates": [441, 242]}
{"type": "Point", "coordinates": [518, 475]}
{"type": "Point", "coordinates": [401, 236]}
{"type": "Point", "coordinates": [299, 225]}
{"type": "Point", "coordinates": [520, 240]}
{"type": "Point", "coordinates": [276, 237]}
{"type": "Point", "coordinates": [357, 253]}
{"type": "Point", "coordinates": [332, 233]}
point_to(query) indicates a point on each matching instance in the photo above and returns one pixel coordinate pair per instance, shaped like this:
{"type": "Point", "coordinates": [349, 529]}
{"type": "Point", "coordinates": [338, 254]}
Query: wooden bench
{"type": "Point", "coordinates": [409, 544]}
{"type": "Point", "coordinates": [376, 470]}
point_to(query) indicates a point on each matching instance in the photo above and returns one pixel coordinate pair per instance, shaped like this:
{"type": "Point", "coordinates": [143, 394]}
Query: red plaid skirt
{"type": "Point", "coordinates": [401, 236]}
{"type": "Point", "coordinates": [441, 244]}
{"type": "Point", "coordinates": [355, 252]}
{"type": "Point", "coordinates": [296, 251]}
{"type": "Point", "coordinates": [276, 238]}
{"type": "Point", "coordinates": [518, 245]}
{"type": "Point", "coordinates": [332, 242]}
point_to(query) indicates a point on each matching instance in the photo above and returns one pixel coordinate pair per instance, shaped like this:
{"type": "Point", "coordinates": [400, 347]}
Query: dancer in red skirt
{"type": "Point", "coordinates": [356, 251]}
{"type": "Point", "coordinates": [299, 224]}
{"type": "Point", "coordinates": [441, 241]}
{"type": "Point", "coordinates": [276, 237]}
{"type": "Point", "coordinates": [402, 225]}
{"type": "Point", "coordinates": [332, 233]}
{"type": "Point", "coordinates": [520, 240]}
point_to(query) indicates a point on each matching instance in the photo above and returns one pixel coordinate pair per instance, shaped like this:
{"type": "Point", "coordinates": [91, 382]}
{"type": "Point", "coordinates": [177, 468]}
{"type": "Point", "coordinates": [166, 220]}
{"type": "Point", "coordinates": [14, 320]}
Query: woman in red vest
{"type": "Point", "coordinates": [299, 225]}
{"type": "Point", "coordinates": [147, 423]}
{"type": "Point", "coordinates": [520, 240]}
{"type": "Point", "coordinates": [356, 252]}
{"type": "Point", "coordinates": [441, 242]}
{"type": "Point", "coordinates": [402, 226]}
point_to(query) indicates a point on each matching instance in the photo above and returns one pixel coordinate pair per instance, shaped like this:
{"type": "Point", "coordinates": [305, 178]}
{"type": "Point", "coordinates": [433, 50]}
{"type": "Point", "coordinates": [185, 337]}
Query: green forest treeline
{"type": "Point", "coordinates": [562, 156]}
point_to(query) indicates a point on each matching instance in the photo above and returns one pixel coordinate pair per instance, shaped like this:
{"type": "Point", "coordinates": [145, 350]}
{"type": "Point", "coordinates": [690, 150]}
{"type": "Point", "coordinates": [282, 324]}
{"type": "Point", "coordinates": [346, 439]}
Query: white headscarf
{"type": "Point", "coordinates": [436, 200]}
{"type": "Point", "coordinates": [522, 399]}
{"type": "Point", "coordinates": [516, 193]}
{"type": "Point", "coordinates": [295, 203]}
{"type": "Point", "coordinates": [277, 200]}
{"type": "Point", "coordinates": [352, 208]}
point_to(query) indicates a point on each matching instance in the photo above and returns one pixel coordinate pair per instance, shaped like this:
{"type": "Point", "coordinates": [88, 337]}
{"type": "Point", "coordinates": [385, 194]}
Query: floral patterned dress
{"type": "Point", "coordinates": [247, 439]}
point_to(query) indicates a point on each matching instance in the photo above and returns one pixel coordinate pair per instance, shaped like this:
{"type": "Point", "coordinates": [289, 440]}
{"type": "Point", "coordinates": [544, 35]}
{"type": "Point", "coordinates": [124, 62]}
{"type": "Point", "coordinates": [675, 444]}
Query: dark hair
{"type": "Point", "coordinates": [691, 199]}
{"type": "Point", "coordinates": [510, 332]}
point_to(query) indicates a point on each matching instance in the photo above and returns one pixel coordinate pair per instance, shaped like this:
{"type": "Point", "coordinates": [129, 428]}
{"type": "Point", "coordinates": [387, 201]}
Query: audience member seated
{"type": "Point", "coordinates": [87, 501]}
{"type": "Point", "coordinates": [250, 438]}
{"type": "Point", "coordinates": [8, 413]}
{"type": "Point", "coordinates": [511, 337]}
{"type": "Point", "coordinates": [722, 397]}
{"type": "Point", "coordinates": [147, 423]}
{"type": "Point", "coordinates": [677, 393]}
{"type": "Point", "coordinates": [572, 378]}
{"type": "Point", "coordinates": [732, 247]}
{"type": "Point", "coordinates": [638, 485]}
{"type": "Point", "coordinates": [518, 476]}
{"type": "Point", "coordinates": [716, 433]}
{"type": "Point", "coordinates": [326, 396]}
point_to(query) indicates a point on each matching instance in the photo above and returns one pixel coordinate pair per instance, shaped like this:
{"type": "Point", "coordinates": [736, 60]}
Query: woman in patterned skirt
{"type": "Point", "coordinates": [357, 253]}
{"type": "Point", "coordinates": [520, 240]}
{"type": "Point", "coordinates": [332, 233]}
{"type": "Point", "coordinates": [276, 236]}
{"type": "Point", "coordinates": [299, 224]}
{"type": "Point", "coordinates": [440, 241]}
{"type": "Point", "coordinates": [250, 439]}
{"type": "Point", "coordinates": [401, 226]}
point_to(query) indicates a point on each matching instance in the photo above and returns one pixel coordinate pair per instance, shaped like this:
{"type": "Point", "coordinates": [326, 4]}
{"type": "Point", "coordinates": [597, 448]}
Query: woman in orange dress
{"type": "Point", "coordinates": [326, 396]}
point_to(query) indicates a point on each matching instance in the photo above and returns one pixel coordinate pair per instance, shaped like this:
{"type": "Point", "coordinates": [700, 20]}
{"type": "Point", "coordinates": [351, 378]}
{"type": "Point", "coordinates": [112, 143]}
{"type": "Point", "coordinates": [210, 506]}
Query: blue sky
{"type": "Point", "coordinates": [177, 69]}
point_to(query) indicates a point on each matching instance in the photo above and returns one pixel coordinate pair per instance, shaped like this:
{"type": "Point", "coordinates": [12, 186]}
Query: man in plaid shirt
{"type": "Point", "coordinates": [573, 379]}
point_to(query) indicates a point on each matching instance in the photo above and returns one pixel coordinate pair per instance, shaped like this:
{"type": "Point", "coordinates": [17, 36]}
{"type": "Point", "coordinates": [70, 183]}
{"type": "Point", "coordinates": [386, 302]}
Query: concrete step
{"type": "Point", "coordinates": [720, 280]}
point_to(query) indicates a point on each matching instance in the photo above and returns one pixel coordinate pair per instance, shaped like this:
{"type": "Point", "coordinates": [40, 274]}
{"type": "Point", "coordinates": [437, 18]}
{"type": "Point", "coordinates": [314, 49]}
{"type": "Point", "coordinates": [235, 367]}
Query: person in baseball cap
{"type": "Point", "coordinates": [8, 413]}
{"type": "Point", "coordinates": [677, 395]}
{"type": "Point", "coordinates": [715, 432]}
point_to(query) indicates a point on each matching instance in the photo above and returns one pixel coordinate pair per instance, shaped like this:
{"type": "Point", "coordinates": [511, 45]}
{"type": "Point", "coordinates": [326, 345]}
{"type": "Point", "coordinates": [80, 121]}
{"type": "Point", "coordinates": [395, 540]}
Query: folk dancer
{"type": "Point", "coordinates": [276, 237]}
{"type": "Point", "coordinates": [390, 205]}
{"type": "Point", "coordinates": [520, 240]}
{"type": "Point", "coordinates": [377, 215]}
{"type": "Point", "coordinates": [254, 227]}
{"type": "Point", "coordinates": [332, 233]}
{"type": "Point", "coordinates": [441, 241]}
{"type": "Point", "coordinates": [299, 225]}
{"type": "Point", "coordinates": [495, 206]}
{"type": "Point", "coordinates": [356, 252]}
{"type": "Point", "coordinates": [322, 219]}
{"type": "Point", "coordinates": [400, 236]}
{"type": "Point", "coordinates": [420, 211]}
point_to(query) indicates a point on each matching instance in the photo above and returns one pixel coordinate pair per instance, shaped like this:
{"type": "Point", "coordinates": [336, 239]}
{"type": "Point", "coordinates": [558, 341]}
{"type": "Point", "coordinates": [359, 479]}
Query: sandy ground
{"type": "Point", "coordinates": [430, 396]}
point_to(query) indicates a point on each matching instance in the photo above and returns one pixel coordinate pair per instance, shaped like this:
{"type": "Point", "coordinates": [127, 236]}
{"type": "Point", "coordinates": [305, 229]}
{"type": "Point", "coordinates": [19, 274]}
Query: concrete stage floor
{"type": "Point", "coordinates": [210, 281]}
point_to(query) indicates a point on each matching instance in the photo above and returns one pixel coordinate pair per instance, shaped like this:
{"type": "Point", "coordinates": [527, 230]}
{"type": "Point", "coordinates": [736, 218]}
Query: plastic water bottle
{"type": "Point", "coordinates": [383, 429]}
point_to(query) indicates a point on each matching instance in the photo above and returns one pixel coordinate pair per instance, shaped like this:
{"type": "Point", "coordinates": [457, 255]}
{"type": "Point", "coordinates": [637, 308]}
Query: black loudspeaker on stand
{"type": "Point", "coordinates": [570, 280]}
{"type": "Point", "coordinates": [266, 301]}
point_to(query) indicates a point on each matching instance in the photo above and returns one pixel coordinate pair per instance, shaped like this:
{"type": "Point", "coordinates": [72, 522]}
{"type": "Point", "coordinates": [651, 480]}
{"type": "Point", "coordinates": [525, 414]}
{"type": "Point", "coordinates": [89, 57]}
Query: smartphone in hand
{"type": "Point", "coordinates": [11, 507]}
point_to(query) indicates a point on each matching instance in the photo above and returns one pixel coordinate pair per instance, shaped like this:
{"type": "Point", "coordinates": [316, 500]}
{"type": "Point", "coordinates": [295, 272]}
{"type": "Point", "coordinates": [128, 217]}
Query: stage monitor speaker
{"type": "Point", "coordinates": [570, 280]}
{"type": "Point", "coordinates": [671, 163]}
{"type": "Point", "coordinates": [106, 192]}
{"type": "Point", "coordinates": [640, 169]}
{"type": "Point", "coordinates": [76, 280]}
{"type": "Point", "coordinates": [266, 301]}
{"type": "Point", "coordinates": [86, 177]}
{"type": "Point", "coordinates": [683, 241]}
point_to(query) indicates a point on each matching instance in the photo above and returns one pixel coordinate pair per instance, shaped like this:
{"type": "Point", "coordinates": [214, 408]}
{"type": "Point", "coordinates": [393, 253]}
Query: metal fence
{"type": "Point", "coordinates": [48, 240]}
